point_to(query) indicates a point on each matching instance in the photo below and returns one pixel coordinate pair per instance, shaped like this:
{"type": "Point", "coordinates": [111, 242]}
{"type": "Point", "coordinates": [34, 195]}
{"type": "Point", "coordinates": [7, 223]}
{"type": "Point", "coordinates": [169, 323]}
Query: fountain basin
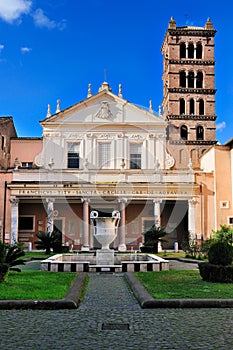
{"type": "Point", "coordinates": [88, 263]}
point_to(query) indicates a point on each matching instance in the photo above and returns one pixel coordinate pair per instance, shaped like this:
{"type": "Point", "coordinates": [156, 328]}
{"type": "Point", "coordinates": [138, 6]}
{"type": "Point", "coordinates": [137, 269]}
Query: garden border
{"type": "Point", "coordinates": [71, 300]}
{"type": "Point", "coordinates": [146, 301]}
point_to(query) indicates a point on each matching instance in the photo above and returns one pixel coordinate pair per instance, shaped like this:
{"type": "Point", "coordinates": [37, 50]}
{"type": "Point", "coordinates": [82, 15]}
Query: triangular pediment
{"type": "Point", "coordinates": [103, 108]}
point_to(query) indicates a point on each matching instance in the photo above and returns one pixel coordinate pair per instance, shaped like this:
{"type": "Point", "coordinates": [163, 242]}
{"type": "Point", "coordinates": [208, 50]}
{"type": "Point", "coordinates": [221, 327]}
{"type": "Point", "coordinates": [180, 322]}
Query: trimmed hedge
{"type": "Point", "coordinates": [148, 249]}
{"type": "Point", "coordinates": [216, 273]}
{"type": "Point", "coordinates": [220, 254]}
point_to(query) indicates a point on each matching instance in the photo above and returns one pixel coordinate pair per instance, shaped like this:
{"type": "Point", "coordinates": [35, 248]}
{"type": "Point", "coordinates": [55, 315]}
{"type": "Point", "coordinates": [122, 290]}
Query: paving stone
{"type": "Point", "coordinates": [109, 301]}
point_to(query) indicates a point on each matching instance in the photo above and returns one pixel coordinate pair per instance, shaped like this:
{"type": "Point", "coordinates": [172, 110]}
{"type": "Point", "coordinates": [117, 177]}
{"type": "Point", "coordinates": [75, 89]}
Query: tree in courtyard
{"type": "Point", "coordinates": [152, 237]}
{"type": "Point", "coordinates": [224, 235]}
{"type": "Point", "coordinates": [9, 258]}
{"type": "Point", "coordinates": [49, 241]}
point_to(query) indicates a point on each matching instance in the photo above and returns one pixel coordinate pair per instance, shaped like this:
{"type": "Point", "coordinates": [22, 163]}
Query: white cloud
{"type": "Point", "coordinates": [1, 47]}
{"type": "Point", "coordinates": [25, 49]}
{"type": "Point", "coordinates": [221, 126]}
{"type": "Point", "coordinates": [41, 20]}
{"type": "Point", "coordinates": [12, 10]}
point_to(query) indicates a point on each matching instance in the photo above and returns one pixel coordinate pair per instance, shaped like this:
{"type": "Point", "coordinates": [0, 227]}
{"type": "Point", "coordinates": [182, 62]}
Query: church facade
{"type": "Point", "coordinates": [105, 154]}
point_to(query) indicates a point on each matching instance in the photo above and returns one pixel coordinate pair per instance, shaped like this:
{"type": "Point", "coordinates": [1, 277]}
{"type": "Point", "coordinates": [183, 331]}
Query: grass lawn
{"type": "Point", "coordinates": [36, 255]}
{"type": "Point", "coordinates": [36, 285]}
{"type": "Point", "coordinates": [183, 285]}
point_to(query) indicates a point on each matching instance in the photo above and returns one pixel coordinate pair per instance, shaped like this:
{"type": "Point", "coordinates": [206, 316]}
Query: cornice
{"type": "Point", "coordinates": [191, 117]}
{"type": "Point", "coordinates": [193, 142]}
{"type": "Point", "coordinates": [193, 91]}
{"type": "Point", "coordinates": [192, 62]}
{"type": "Point", "coordinates": [192, 32]}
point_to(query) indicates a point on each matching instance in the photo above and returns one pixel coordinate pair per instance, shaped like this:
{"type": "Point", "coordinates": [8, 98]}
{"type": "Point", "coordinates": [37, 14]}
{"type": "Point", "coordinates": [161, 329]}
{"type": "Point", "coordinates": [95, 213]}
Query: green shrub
{"type": "Point", "coordinates": [152, 237]}
{"type": "Point", "coordinates": [216, 273]}
{"type": "Point", "coordinates": [224, 235]}
{"type": "Point", "coordinates": [147, 249]}
{"type": "Point", "coordinates": [220, 254]}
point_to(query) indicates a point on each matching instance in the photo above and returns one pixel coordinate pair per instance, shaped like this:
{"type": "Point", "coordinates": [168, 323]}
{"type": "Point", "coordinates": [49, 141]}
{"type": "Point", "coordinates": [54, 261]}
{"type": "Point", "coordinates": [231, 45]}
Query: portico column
{"type": "Point", "coordinates": [157, 217]}
{"type": "Point", "coordinates": [191, 218]}
{"type": "Point", "coordinates": [50, 218]}
{"type": "Point", "coordinates": [86, 244]}
{"type": "Point", "coordinates": [157, 212]}
{"type": "Point", "coordinates": [122, 231]}
{"type": "Point", "coordinates": [14, 219]}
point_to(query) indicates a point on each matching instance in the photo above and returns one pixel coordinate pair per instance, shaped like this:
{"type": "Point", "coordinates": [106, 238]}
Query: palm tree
{"type": "Point", "coordinates": [49, 240]}
{"type": "Point", "coordinates": [152, 237]}
{"type": "Point", "coordinates": [9, 258]}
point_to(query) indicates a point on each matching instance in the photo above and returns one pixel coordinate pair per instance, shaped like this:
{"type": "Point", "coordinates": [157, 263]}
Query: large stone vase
{"type": "Point", "coordinates": [105, 228]}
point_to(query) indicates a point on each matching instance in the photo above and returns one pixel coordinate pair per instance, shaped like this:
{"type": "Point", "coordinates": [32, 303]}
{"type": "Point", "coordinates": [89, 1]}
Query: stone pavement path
{"type": "Point", "coordinates": [110, 318]}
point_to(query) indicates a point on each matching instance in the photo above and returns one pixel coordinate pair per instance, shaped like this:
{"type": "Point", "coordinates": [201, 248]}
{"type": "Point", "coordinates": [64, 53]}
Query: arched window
{"type": "Point", "coordinates": [182, 50]}
{"type": "Point", "coordinates": [182, 106]}
{"type": "Point", "coordinates": [199, 83]}
{"type": "Point", "coordinates": [201, 107]}
{"type": "Point", "coordinates": [182, 79]}
{"type": "Point", "coordinates": [199, 51]}
{"type": "Point", "coordinates": [184, 132]}
{"type": "Point", "coordinates": [191, 106]}
{"type": "Point", "coordinates": [190, 50]}
{"type": "Point", "coordinates": [200, 132]}
{"type": "Point", "coordinates": [2, 142]}
{"type": "Point", "coordinates": [191, 79]}
{"type": "Point", "coordinates": [181, 156]}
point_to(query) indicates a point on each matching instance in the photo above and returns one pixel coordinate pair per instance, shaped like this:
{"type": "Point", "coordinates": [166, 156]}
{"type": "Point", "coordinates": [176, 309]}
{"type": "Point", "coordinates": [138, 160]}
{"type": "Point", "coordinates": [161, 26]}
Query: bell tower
{"type": "Point", "coordinates": [189, 91]}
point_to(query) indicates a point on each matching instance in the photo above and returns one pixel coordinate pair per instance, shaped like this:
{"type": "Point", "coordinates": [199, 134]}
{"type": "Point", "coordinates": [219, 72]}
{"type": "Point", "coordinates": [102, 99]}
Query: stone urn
{"type": "Point", "coordinates": [105, 228]}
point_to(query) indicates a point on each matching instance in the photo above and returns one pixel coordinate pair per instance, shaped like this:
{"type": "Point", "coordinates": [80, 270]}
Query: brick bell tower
{"type": "Point", "coordinates": [189, 91]}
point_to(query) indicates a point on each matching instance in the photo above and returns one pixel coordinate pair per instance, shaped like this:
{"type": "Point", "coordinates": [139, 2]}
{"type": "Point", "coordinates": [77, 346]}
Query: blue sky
{"type": "Point", "coordinates": [52, 49]}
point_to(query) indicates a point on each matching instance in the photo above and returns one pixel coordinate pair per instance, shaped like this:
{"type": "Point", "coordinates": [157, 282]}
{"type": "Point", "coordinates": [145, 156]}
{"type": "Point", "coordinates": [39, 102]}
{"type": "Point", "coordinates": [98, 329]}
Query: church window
{"type": "Point", "coordinates": [191, 106]}
{"type": "Point", "coordinates": [184, 132]}
{"type": "Point", "coordinates": [190, 50]}
{"type": "Point", "coordinates": [199, 51]}
{"type": "Point", "coordinates": [182, 79]}
{"type": "Point", "coordinates": [135, 156]}
{"type": "Point", "coordinates": [73, 155]}
{"type": "Point", "coordinates": [191, 79]}
{"type": "Point", "coordinates": [201, 107]}
{"type": "Point", "coordinates": [104, 155]}
{"type": "Point", "coordinates": [199, 80]}
{"type": "Point", "coordinates": [182, 50]}
{"type": "Point", "coordinates": [200, 132]}
{"type": "Point", "coordinates": [182, 106]}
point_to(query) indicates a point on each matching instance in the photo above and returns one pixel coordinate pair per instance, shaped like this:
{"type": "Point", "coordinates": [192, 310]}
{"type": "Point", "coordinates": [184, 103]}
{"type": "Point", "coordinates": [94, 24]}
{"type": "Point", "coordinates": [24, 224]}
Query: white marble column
{"type": "Point", "coordinates": [157, 217]}
{"type": "Point", "coordinates": [157, 211]}
{"type": "Point", "coordinates": [85, 245]}
{"type": "Point", "coordinates": [191, 218]}
{"type": "Point", "coordinates": [14, 219]}
{"type": "Point", "coordinates": [50, 218]}
{"type": "Point", "coordinates": [122, 228]}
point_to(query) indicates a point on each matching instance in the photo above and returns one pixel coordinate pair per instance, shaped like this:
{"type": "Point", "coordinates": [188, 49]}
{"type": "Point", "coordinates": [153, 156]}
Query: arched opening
{"type": "Point", "coordinates": [184, 132]}
{"type": "Point", "coordinates": [194, 157]}
{"type": "Point", "coordinates": [191, 79]}
{"type": "Point", "coordinates": [199, 51]}
{"type": "Point", "coordinates": [200, 132]}
{"type": "Point", "coordinates": [182, 79]}
{"type": "Point", "coordinates": [191, 106]}
{"type": "Point", "coordinates": [199, 82]}
{"type": "Point", "coordinates": [181, 156]}
{"type": "Point", "coordinates": [190, 50]}
{"type": "Point", "coordinates": [182, 106]}
{"type": "Point", "coordinates": [182, 50]}
{"type": "Point", "coordinates": [201, 107]}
